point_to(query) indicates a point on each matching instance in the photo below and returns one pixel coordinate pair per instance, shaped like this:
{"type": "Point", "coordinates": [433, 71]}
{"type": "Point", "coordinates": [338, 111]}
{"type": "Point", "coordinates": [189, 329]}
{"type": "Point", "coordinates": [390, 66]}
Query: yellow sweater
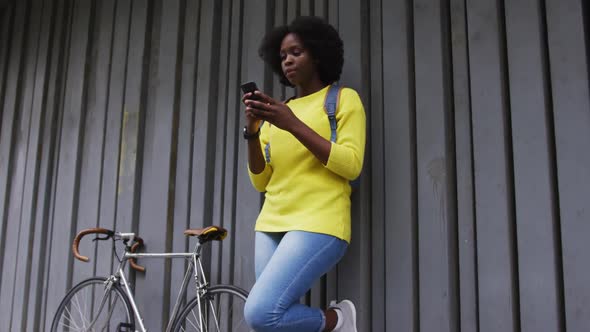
{"type": "Point", "coordinates": [301, 192]}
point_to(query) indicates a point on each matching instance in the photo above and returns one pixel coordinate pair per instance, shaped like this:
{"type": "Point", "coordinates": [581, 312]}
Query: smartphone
{"type": "Point", "coordinates": [250, 87]}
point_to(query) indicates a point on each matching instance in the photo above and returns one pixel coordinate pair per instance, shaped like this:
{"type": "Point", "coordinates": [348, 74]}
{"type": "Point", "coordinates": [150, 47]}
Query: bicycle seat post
{"type": "Point", "coordinates": [198, 248]}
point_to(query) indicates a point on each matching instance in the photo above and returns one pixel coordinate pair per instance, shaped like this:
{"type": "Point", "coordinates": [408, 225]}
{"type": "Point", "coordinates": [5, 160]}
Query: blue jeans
{"type": "Point", "coordinates": [287, 265]}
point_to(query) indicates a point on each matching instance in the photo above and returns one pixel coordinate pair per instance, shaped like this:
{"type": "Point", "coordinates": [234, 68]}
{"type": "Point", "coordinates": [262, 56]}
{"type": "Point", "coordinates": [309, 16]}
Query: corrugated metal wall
{"type": "Point", "coordinates": [473, 209]}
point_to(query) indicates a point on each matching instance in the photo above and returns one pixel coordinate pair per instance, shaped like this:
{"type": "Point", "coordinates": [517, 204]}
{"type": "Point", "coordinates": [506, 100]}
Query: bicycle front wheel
{"type": "Point", "coordinates": [221, 310]}
{"type": "Point", "coordinates": [92, 306]}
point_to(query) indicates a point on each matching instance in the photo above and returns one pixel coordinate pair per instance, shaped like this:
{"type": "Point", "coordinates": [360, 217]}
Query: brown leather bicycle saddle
{"type": "Point", "coordinates": [211, 233]}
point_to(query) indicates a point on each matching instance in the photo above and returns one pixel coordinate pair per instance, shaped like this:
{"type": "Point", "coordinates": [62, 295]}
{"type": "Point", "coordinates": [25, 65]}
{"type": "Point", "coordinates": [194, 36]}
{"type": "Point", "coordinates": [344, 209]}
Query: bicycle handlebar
{"type": "Point", "coordinates": [138, 243]}
{"type": "Point", "coordinates": [132, 262]}
{"type": "Point", "coordinates": [83, 233]}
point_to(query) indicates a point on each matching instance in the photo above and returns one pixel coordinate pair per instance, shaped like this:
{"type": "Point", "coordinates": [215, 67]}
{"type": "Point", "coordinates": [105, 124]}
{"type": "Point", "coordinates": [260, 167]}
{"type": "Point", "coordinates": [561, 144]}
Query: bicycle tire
{"type": "Point", "coordinates": [222, 299]}
{"type": "Point", "coordinates": [86, 296]}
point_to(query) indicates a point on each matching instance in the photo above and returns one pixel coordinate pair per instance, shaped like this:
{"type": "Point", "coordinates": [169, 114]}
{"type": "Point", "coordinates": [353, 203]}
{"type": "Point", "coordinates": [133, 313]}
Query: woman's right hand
{"type": "Point", "coordinates": [252, 121]}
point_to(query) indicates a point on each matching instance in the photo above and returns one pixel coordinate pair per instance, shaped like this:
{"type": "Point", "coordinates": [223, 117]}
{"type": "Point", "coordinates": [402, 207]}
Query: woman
{"type": "Point", "coordinates": [303, 229]}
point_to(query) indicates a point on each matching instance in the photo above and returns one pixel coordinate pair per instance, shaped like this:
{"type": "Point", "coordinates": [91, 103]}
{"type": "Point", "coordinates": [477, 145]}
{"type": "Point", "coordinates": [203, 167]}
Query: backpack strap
{"type": "Point", "coordinates": [267, 152]}
{"type": "Point", "coordinates": [331, 105]}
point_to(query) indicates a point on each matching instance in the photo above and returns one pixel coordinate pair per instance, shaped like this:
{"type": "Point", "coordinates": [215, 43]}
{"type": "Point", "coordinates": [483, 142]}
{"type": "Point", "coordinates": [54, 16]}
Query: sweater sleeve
{"type": "Point", "coordinates": [347, 153]}
{"type": "Point", "coordinates": [260, 180]}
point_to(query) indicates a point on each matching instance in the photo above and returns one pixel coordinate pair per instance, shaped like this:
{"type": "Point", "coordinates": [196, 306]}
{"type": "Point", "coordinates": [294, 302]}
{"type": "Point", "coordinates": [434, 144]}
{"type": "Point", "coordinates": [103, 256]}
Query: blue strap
{"type": "Point", "coordinates": [331, 104]}
{"type": "Point", "coordinates": [267, 152]}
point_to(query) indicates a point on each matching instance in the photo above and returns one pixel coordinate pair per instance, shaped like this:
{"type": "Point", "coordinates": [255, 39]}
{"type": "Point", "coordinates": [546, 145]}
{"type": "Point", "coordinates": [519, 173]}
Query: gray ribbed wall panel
{"type": "Point", "coordinates": [472, 214]}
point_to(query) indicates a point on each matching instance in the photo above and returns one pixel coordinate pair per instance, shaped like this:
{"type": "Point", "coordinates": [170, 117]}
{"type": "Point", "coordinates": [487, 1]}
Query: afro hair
{"type": "Point", "coordinates": [317, 36]}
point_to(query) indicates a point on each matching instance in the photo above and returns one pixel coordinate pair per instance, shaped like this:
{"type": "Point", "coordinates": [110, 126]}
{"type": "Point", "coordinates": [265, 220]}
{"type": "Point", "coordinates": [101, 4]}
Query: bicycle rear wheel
{"type": "Point", "coordinates": [90, 306]}
{"type": "Point", "coordinates": [222, 310]}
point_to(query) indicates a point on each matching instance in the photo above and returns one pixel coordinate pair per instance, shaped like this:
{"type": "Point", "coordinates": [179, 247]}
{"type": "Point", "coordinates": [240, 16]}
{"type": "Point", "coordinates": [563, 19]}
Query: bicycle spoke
{"type": "Point", "coordinates": [111, 311]}
{"type": "Point", "coordinates": [84, 304]}
{"type": "Point", "coordinates": [216, 311]}
{"type": "Point", "coordinates": [215, 320]}
{"type": "Point", "coordinates": [196, 320]}
{"type": "Point", "coordinates": [69, 326]}
{"type": "Point", "coordinates": [198, 328]}
{"type": "Point", "coordinates": [83, 310]}
{"type": "Point", "coordinates": [82, 318]}
{"type": "Point", "coordinates": [71, 320]}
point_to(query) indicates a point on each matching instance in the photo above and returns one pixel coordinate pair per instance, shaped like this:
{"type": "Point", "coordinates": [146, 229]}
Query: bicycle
{"type": "Point", "coordinates": [107, 303]}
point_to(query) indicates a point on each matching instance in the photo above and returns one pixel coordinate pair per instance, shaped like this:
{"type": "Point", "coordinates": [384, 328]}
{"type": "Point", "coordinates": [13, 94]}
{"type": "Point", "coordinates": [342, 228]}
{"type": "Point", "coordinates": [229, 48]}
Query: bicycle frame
{"type": "Point", "coordinates": [194, 263]}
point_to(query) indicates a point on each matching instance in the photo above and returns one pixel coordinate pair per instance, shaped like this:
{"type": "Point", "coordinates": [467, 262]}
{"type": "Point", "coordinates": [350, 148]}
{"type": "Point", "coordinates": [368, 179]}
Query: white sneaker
{"type": "Point", "coordinates": [347, 312]}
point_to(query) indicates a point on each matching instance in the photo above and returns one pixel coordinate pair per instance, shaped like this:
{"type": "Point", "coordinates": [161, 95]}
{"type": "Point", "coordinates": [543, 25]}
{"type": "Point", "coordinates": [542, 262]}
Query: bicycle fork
{"type": "Point", "coordinates": [109, 284]}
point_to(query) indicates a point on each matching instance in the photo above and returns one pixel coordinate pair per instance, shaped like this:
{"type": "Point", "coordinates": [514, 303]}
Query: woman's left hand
{"type": "Point", "coordinates": [275, 112]}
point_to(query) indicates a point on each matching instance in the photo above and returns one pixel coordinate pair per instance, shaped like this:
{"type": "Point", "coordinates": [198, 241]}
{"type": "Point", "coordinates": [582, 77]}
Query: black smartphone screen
{"type": "Point", "coordinates": [250, 87]}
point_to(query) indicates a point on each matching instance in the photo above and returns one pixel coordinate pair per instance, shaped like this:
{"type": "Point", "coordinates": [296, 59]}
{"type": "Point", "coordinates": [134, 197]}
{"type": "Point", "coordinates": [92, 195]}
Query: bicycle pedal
{"type": "Point", "coordinates": [126, 327]}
